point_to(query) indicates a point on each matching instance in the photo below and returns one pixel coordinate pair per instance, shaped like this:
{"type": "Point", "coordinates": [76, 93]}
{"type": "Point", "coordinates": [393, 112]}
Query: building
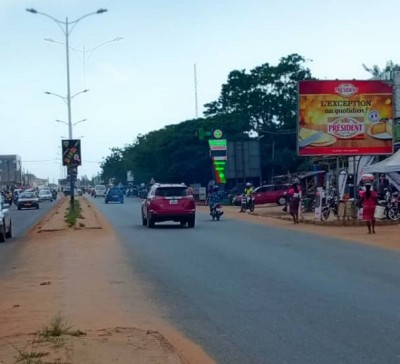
{"type": "Point", "coordinates": [10, 170]}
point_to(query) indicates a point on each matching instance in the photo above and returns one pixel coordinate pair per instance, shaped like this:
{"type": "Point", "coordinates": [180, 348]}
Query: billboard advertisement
{"type": "Point", "coordinates": [345, 118]}
{"type": "Point", "coordinates": [71, 151]}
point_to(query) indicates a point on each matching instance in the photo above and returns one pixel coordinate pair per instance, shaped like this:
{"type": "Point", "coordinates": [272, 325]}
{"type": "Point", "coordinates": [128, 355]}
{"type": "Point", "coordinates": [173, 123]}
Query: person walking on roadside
{"type": "Point", "coordinates": [294, 195]}
{"type": "Point", "coordinates": [369, 199]}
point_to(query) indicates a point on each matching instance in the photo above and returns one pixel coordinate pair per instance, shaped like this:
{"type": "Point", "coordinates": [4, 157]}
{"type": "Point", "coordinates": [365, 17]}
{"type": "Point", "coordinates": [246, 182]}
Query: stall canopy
{"type": "Point", "coordinates": [390, 164]}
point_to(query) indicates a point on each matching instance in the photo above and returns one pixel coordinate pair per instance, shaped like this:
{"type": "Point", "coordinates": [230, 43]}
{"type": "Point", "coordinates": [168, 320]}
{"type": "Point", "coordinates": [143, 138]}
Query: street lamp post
{"type": "Point", "coordinates": [86, 53]}
{"type": "Point", "coordinates": [67, 100]}
{"type": "Point", "coordinates": [65, 28]}
{"type": "Point", "coordinates": [73, 124]}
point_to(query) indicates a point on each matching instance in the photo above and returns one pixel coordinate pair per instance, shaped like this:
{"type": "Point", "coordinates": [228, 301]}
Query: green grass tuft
{"type": "Point", "coordinates": [73, 213]}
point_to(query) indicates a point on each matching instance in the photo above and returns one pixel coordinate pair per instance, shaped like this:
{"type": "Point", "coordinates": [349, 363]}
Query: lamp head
{"type": "Point", "coordinates": [31, 10]}
{"type": "Point", "coordinates": [100, 11]}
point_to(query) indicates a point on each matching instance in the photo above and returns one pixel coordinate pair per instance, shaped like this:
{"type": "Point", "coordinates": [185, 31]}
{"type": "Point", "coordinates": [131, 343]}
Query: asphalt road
{"type": "Point", "coordinates": [22, 220]}
{"type": "Point", "coordinates": [249, 293]}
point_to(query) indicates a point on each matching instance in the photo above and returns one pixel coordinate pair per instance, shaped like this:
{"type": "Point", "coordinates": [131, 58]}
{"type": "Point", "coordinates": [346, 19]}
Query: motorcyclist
{"type": "Point", "coordinates": [213, 197]}
{"type": "Point", "coordinates": [248, 191]}
{"type": "Point", "coordinates": [248, 194]}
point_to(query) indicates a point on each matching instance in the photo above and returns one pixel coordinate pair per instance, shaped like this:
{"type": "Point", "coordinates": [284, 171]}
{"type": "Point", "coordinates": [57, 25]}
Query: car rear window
{"type": "Point", "coordinates": [171, 191]}
{"type": "Point", "coordinates": [28, 195]}
{"type": "Point", "coordinates": [100, 188]}
{"type": "Point", "coordinates": [116, 191]}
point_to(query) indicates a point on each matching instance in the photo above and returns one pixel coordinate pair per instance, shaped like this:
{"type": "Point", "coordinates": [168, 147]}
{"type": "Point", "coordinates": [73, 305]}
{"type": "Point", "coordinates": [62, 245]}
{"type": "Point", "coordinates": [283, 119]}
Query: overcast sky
{"type": "Point", "coordinates": [146, 80]}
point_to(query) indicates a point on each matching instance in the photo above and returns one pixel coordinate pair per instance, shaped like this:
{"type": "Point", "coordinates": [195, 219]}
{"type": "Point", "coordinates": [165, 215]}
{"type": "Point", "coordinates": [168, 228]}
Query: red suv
{"type": "Point", "coordinates": [168, 202]}
{"type": "Point", "coordinates": [271, 194]}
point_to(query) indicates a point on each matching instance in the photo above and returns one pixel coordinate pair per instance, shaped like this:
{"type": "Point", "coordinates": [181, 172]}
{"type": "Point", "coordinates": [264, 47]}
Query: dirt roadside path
{"type": "Point", "coordinates": [80, 276]}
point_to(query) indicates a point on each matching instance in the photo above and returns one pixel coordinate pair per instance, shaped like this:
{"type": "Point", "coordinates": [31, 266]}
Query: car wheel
{"type": "Point", "coordinates": [19, 207]}
{"type": "Point", "coordinates": [9, 232]}
{"type": "Point", "coordinates": [2, 234]}
{"type": "Point", "coordinates": [144, 221]}
{"type": "Point", "coordinates": [191, 222]}
{"type": "Point", "coordinates": [106, 201]}
{"type": "Point", "coordinates": [281, 201]}
{"type": "Point", "coordinates": [37, 207]}
{"type": "Point", "coordinates": [150, 221]}
{"type": "Point", "coordinates": [183, 222]}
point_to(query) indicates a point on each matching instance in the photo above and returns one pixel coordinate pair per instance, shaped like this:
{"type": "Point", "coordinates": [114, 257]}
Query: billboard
{"type": "Point", "coordinates": [345, 118]}
{"type": "Point", "coordinates": [243, 160]}
{"type": "Point", "coordinates": [71, 151]}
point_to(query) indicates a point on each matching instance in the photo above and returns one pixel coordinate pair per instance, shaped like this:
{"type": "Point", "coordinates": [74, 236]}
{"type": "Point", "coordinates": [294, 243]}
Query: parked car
{"type": "Point", "coordinates": [114, 194]}
{"type": "Point", "coordinates": [5, 221]}
{"type": "Point", "coordinates": [168, 202]}
{"type": "Point", "coordinates": [28, 200]}
{"type": "Point", "coordinates": [45, 195]}
{"type": "Point", "coordinates": [99, 191]}
{"type": "Point", "coordinates": [267, 194]}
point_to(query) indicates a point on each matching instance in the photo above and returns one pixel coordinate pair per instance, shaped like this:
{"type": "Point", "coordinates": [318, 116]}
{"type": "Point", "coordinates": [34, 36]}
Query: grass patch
{"type": "Point", "coordinates": [73, 213]}
{"type": "Point", "coordinates": [58, 327]}
{"type": "Point", "coordinates": [29, 357]}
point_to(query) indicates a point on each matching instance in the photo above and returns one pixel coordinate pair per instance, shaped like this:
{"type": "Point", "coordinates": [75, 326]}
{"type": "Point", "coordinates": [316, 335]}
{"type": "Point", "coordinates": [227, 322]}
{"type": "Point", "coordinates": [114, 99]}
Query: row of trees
{"type": "Point", "coordinates": [260, 103]}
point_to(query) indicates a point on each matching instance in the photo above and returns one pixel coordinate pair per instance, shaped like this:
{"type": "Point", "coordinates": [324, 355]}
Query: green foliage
{"type": "Point", "coordinates": [266, 97]}
{"type": "Point", "coordinates": [377, 72]}
{"type": "Point", "coordinates": [58, 327]}
{"type": "Point", "coordinates": [73, 213]}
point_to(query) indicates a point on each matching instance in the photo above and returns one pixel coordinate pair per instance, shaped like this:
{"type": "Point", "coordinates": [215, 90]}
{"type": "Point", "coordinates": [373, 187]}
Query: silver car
{"type": "Point", "coordinates": [5, 221]}
{"type": "Point", "coordinates": [45, 195]}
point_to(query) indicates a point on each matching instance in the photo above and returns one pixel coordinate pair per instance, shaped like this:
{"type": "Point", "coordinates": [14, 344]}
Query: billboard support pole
{"type": "Point", "coordinates": [355, 172]}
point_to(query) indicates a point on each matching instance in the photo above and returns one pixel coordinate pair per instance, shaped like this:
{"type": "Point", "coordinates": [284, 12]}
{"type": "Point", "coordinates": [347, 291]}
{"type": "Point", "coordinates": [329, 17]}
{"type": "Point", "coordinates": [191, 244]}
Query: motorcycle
{"type": "Point", "coordinates": [216, 212]}
{"type": "Point", "coordinates": [247, 203]}
{"type": "Point", "coordinates": [392, 206]}
{"type": "Point", "coordinates": [331, 205]}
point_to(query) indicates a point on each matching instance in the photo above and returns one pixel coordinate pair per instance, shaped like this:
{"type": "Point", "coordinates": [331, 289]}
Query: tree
{"type": "Point", "coordinates": [266, 97]}
{"type": "Point", "coordinates": [377, 73]}
{"type": "Point", "coordinates": [113, 166]}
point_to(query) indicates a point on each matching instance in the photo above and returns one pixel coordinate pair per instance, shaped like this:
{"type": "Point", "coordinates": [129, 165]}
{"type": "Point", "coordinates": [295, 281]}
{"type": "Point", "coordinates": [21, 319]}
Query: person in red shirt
{"type": "Point", "coordinates": [369, 199]}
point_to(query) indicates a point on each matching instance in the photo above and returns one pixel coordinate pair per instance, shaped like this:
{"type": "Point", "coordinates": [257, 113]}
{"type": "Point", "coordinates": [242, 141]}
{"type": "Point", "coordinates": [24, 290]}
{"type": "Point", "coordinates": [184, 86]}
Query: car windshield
{"type": "Point", "coordinates": [44, 192]}
{"type": "Point", "coordinates": [28, 195]}
{"type": "Point", "coordinates": [171, 191]}
{"type": "Point", "coordinates": [98, 188]}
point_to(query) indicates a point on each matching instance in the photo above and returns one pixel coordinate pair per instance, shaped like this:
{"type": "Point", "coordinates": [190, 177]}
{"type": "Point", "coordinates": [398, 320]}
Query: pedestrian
{"type": "Point", "coordinates": [294, 195]}
{"type": "Point", "coordinates": [369, 199]}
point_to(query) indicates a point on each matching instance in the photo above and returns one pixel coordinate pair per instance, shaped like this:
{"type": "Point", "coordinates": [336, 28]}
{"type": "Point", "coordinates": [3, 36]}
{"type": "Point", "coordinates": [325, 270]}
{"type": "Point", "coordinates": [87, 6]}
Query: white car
{"type": "Point", "coordinates": [5, 221]}
{"type": "Point", "coordinates": [45, 195]}
{"type": "Point", "coordinates": [100, 190]}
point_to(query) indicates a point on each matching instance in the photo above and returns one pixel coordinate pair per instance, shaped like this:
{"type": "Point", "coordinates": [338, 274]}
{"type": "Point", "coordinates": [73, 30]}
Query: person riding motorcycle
{"type": "Point", "coordinates": [248, 195]}
{"type": "Point", "coordinates": [248, 191]}
{"type": "Point", "coordinates": [213, 197]}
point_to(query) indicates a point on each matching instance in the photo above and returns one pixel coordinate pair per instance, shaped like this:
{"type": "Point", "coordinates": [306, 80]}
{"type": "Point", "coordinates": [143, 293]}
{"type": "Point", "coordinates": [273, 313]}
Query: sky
{"type": "Point", "coordinates": [146, 80]}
